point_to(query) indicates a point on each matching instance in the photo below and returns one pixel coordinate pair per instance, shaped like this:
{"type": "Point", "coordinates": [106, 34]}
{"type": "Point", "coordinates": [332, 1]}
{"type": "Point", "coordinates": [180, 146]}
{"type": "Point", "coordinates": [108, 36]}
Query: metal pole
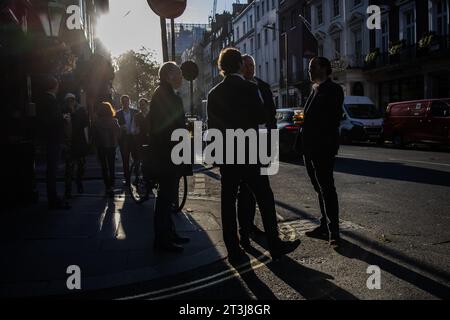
{"type": "Point", "coordinates": [192, 98]}
{"type": "Point", "coordinates": [287, 66]}
{"type": "Point", "coordinates": [165, 49]}
{"type": "Point", "coordinates": [172, 37]}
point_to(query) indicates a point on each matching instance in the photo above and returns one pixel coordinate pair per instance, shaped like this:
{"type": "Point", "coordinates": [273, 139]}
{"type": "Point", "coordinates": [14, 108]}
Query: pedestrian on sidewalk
{"type": "Point", "coordinates": [165, 116]}
{"type": "Point", "coordinates": [236, 104]}
{"type": "Point", "coordinates": [318, 140]}
{"type": "Point", "coordinates": [51, 133]}
{"type": "Point", "coordinates": [140, 125]}
{"type": "Point", "coordinates": [76, 144]}
{"type": "Point", "coordinates": [105, 135]}
{"type": "Point", "coordinates": [125, 116]}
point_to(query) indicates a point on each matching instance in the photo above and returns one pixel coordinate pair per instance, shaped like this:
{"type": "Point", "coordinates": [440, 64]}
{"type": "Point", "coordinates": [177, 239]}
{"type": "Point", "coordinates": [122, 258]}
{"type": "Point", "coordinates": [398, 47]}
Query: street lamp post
{"type": "Point", "coordinates": [51, 16]}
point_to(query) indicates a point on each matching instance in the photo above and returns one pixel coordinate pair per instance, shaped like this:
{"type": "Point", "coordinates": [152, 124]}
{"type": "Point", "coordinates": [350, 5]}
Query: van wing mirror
{"type": "Point", "coordinates": [344, 116]}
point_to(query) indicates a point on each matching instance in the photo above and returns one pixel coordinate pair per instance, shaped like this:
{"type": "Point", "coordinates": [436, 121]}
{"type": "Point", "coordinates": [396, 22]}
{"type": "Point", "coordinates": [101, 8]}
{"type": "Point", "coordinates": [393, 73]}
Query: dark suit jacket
{"type": "Point", "coordinates": [50, 119]}
{"type": "Point", "coordinates": [269, 104]}
{"type": "Point", "coordinates": [165, 116]}
{"type": "Point", "coordinates": [235, 104]}
{"type": "Point", "coordinates": [121, 118]}
{"type": "Point", "coordinates": [319, 135]}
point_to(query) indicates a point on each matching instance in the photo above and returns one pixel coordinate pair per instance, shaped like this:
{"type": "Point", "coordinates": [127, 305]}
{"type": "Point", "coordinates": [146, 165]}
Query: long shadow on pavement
{"type": "Point", "coordinates": [309, 283]}
{"type": "Point", "coordinates": [352, 250]}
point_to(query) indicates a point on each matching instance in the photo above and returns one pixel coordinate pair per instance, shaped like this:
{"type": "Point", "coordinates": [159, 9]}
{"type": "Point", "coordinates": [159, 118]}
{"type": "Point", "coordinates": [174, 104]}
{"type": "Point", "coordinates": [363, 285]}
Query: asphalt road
{"type": "Point", "coordinates": [395, 211]}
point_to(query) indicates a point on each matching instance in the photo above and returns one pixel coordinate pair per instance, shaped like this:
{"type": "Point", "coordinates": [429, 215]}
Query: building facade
{"type": "Point", "coordinates": [297, 46]}
{"type": "Point", "coordinates": [411, 52]}
{"type": "Point", "coordinates": [343, 37]}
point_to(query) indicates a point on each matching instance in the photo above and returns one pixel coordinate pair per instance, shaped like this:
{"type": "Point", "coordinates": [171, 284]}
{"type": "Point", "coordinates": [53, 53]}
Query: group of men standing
{"type": "Point", "coordinates": [240, 101]}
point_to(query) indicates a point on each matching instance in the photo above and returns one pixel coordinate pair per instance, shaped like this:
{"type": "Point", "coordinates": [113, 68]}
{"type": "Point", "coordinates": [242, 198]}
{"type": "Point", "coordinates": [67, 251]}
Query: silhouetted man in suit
{"type": "Point", "coordinates": [165, 116]}
{"type": "Point", "coordinates": [246, 200]}
{"type": "Point", "coordinates": [318, 139]}
{"type": "Point", "coordinates": [235, 104]}
{"type": "Point", "coordinates": [125, 116]}
{"type": "Point", "coordinates": [51, 132]}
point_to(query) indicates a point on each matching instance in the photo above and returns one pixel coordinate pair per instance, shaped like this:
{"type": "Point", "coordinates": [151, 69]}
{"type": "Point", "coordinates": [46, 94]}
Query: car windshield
{"type": "Point", "coordinates": [285, 116]}
{"type": "Point", "coordinates": [362, 111]}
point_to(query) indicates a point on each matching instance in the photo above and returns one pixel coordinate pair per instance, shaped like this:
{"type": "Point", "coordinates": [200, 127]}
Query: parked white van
{"type": "Point", "coordinates": [361, 120]}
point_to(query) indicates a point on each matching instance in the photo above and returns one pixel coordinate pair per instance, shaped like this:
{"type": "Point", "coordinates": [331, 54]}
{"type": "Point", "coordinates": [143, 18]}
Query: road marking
{"type": "Point", "coordinates": [422, 162]}
{"type": "Point", "coordinates": [234, 273]}
{"type": "Point", "coordinates": [396, 160]}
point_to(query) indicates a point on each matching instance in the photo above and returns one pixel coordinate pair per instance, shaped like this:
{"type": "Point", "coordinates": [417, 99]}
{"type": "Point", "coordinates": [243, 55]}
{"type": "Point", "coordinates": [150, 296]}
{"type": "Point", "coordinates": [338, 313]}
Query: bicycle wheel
{"type": "Point", "coordinates": [139, 188]}
{"type": "Point", "coordinates": [181, 197]}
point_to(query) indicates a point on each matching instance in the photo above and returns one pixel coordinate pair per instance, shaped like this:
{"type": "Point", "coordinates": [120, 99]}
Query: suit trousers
{"type": "Point", "coordinates": [232, 177]}
{"type": "Point", "coordinates": [164, 226]}
{"type": "Point", "coordinates": [53, 157]}
{"type": "Point", "coordinates": [107, 158]}
{"type": "Point", "coordinates": [127, 148]}
{"type": "Point", "coordinates": [246, 209]}
{"type": "Point", "coordinates": [320, 171]}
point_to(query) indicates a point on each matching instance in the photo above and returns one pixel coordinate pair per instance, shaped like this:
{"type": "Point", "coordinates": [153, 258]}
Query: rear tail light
{"type": "Point", "coordinates": [292, 128]}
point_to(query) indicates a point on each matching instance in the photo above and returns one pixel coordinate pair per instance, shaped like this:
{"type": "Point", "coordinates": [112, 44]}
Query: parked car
{"type": "Point", "coordinates": [289, 122]}
{"type": "Point", "coordinates": [425, 121]}
{"type": "Point", "coordinates": [361, 120]}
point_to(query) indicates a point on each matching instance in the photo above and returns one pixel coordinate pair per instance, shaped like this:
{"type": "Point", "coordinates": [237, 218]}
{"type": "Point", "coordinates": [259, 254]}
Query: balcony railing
{"type": "Point", "coordinates": [439, 47]}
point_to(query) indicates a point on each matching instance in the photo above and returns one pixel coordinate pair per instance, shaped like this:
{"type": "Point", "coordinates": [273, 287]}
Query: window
{"type": "Point", "coordinates": [440, 109]}
{"type": "Point", "coordinates": [320, 49]}
{"type": "Point", "coordinates": [245, 48]}
{"type": "Point", "coordinates": [274, 32]}
{"type": "Point", "coordinates": [266, 36]}
{"type": "Point", "coordinates": [384, 36]}
{"type": "Point", "coordinates": [336, 8]}
{"type": "Point", "coordinates": [257, 13]}
{"type": "Point", "coordinates": [259, 71]}
{"type": "Point", "coordinates": [337, 47]}
{"type": "Point", "coordinates": [441, 17]}
{"type": "Point", "coordinates": [268, 6]}
{"type": "Point", "coordinates": [283, 25]}
{"type": "Point", "coordinates": [319, 11]}
{"type": "Point", "coordinates": [237, 33]}
{"type": "Point", "coordinates": [409, 21]}
{"type": "Point", "coordinates": [252, 48]}
{"type": "Point", "coordinates": [251, 22]}
{"type": "Point", "coordinates": [262, 9]}
{"type": "Point", "coordinates": [267, 67]}
{"type": "Point", "coordinates": [275, 69]}
{"type": "Point", "coordinates": [259, 41]}
{"type": "Point", "coordinates": [273, 4]}
{"type": "Point", "coordinates": [244, 29]}
{"type": "Point", "coordinates": [357, 38]}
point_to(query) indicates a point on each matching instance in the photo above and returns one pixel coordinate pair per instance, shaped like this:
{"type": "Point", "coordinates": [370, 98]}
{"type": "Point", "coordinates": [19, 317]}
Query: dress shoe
{"type": "Point", "coordinates": [320, 233]}
{"type": "Point", "coordinates": [179, 239]}
{"type": "Point", "coordinates": [335, 241]}
{"type": "Point", "coordinates": [283, 248]}
{"type": "Point", "coordinates": [168, 247]}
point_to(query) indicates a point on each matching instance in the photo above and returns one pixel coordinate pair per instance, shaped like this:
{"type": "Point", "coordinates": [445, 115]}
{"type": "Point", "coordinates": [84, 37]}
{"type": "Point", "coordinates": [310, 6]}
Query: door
{"type": "Point", "coordinates": [438, 122]}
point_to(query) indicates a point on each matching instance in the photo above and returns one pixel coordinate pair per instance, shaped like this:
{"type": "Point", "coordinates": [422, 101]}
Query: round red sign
{"type": "Point", "coordinates": [169, 9]}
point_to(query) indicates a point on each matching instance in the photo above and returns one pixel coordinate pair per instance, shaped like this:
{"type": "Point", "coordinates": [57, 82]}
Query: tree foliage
{"type": "Point", "coordinates": [136, 74]}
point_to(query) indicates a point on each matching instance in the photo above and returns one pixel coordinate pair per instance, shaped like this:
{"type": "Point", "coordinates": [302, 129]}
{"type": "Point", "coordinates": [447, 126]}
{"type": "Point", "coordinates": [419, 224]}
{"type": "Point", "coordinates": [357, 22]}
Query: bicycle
{"type": "Point", "coordinates": [142, 187]}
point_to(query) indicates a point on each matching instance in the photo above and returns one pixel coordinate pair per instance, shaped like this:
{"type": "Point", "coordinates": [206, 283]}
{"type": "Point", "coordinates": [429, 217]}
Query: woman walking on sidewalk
{"type": "Point", "coordinates": [105, 133]}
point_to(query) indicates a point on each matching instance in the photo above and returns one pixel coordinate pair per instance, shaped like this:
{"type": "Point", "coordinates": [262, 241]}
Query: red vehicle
{"type": "Point", "coordinates": [426, 121]}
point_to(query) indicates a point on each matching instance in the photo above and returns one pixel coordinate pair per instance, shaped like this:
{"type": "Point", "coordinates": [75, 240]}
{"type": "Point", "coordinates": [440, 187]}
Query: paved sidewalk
{"type": "Point", "coordinates": [111, 240]}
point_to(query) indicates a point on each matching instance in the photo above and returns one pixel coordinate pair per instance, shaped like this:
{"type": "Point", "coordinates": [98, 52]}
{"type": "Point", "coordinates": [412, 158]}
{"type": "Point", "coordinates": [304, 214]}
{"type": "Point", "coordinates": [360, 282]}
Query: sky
{"type": "Point", "coordinates": [131, 24]}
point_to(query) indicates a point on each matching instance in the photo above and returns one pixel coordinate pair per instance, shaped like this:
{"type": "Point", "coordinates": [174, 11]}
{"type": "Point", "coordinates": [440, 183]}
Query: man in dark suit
{"type": "Point", "coordinates": [235, 104]}
{"type": "Point", "coordinates": [165, 116]}
{"type": "Point", "coordinates": [318, 140]}
{"type": "Point", "coordinates": [246, 200]}
{"type": "Point", "coordinates": [51, 132]}
{"type": "Point", "coordinates": [125, 116]}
